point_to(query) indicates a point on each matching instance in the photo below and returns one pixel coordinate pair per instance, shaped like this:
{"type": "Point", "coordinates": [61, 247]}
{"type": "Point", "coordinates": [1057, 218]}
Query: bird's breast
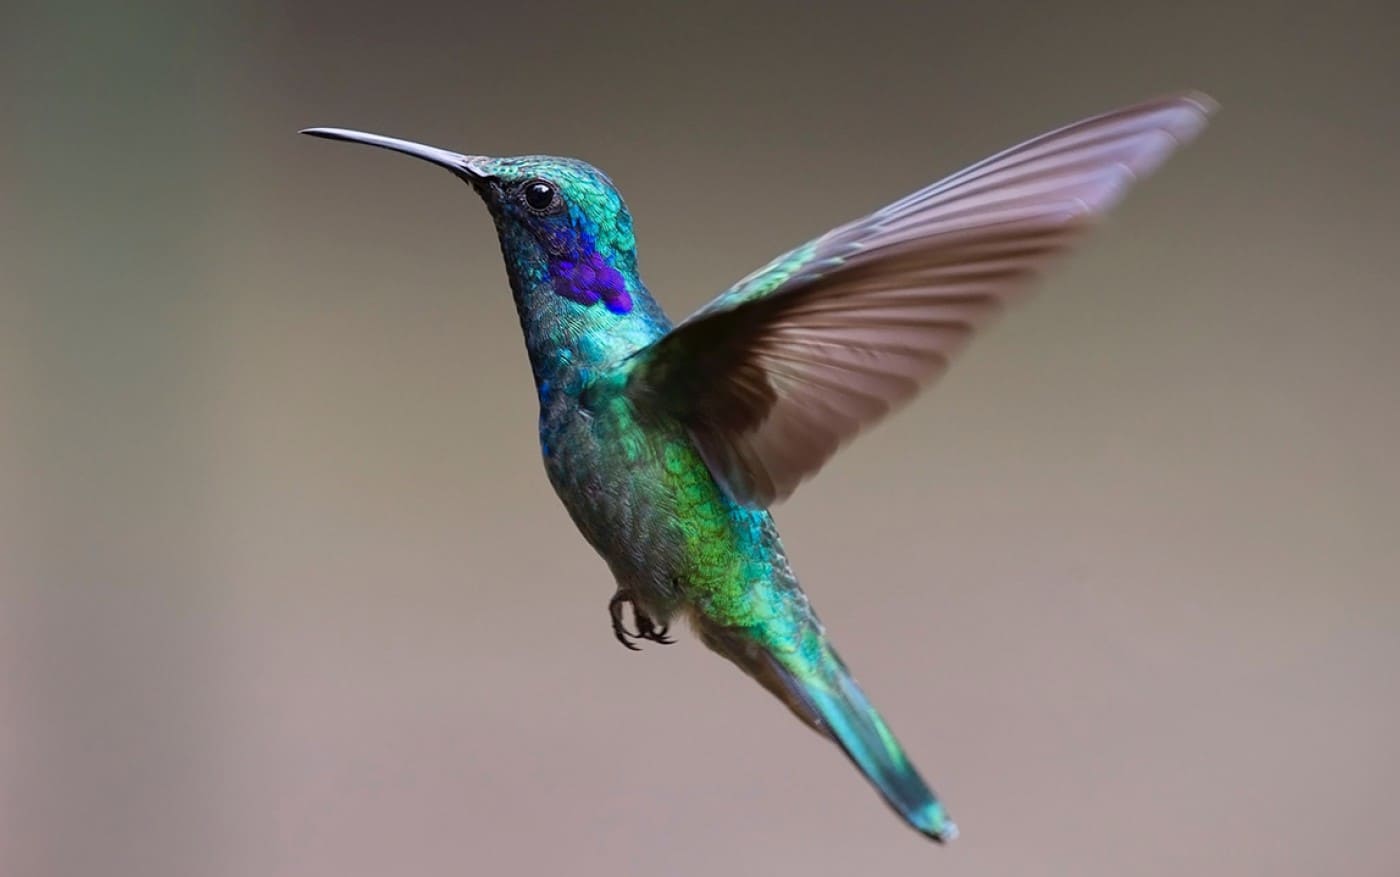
{"type": "Point", "coordinates": [642, 497]}
{"type": "Point", "coordinates": [603, 465]}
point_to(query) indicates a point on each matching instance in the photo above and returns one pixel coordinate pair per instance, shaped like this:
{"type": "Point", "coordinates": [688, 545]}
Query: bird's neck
{"type": "Point", "coordinates": [572, 332]}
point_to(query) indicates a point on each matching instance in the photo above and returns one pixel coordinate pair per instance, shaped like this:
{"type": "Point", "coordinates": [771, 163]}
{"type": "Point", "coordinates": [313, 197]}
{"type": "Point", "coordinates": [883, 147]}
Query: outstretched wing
{"type": "Point", "coordinates": [782, 369]}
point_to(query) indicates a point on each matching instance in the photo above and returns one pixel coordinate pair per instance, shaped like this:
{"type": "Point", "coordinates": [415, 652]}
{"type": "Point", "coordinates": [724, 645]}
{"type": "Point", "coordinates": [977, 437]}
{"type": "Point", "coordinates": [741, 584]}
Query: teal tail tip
{"type": "Point", "coordinates": [935, 824]}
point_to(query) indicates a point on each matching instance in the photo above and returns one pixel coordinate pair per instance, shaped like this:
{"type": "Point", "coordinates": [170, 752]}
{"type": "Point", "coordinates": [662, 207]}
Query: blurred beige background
{"type": "Point", "coordinates": [283, 589]}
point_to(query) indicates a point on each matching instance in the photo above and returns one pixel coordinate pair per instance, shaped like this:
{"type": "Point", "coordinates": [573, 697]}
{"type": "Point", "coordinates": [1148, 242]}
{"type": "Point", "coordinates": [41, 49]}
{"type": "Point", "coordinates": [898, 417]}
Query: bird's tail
{"type": "Point", "coordinates": [815, 684]}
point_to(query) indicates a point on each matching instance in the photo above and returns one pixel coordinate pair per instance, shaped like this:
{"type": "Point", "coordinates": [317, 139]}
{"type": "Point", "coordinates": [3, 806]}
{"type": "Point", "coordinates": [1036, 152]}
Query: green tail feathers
{"type": "Point", "coordinates": [841, 709]}
{"type": "Point", "coordinates": [814, 683]}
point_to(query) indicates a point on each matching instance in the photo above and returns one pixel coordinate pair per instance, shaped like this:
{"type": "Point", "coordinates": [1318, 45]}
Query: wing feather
{"type": "Point", "coordinates": [773, 376]}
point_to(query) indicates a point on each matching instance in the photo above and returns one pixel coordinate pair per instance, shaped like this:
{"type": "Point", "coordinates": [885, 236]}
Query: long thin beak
{"type": "Point", "coordinates": [468, 167]}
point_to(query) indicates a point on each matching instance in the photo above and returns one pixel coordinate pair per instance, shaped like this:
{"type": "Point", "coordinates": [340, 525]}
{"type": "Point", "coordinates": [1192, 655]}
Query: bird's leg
{"type": "Point", "coordinates": [646, 628]}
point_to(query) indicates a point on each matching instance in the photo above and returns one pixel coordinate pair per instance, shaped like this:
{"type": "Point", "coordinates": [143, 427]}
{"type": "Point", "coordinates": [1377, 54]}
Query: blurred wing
{"type": "Point", "coordinates": [778, 372]}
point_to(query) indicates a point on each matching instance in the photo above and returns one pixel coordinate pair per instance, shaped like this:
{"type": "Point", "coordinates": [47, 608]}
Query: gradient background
{"type": "Point", "coordinates": [285, 591]}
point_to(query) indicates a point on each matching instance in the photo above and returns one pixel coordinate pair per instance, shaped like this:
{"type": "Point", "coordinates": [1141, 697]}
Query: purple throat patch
{"type": "Point", "coordinates": [590, 280]}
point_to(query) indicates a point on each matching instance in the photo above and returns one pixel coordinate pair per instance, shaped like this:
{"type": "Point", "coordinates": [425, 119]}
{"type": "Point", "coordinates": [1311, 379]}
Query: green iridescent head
{"type": "Point", "coordinates": [560, 220]}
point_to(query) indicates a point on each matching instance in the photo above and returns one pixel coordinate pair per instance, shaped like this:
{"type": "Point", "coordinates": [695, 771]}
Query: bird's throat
{"type": "Point", "coordinates": [580, 317]}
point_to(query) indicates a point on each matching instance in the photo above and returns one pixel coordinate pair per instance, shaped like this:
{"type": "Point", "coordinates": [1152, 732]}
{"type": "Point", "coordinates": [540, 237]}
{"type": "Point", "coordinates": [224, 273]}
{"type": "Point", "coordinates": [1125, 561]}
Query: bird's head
{"type": "Point", "coordinates": [562, 225]}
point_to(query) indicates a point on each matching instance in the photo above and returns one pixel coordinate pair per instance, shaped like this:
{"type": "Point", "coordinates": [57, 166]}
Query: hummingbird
{"type": "Point", "coordinates": [669, 443]}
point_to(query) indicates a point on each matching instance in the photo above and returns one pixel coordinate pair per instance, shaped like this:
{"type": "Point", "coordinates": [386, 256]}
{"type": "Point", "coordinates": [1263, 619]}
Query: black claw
{"type": "Point", "coordinates": [646, 628]}
{"type": "Point", "coordinates": [624, 636]}
{"type": "Point", "coordinates": [657, 633]}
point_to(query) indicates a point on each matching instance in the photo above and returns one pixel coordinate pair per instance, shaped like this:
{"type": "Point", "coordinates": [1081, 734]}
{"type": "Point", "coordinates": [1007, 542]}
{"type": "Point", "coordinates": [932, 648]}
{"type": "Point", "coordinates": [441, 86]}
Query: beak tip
{"type": "Point", "coordinates": [325, 133]}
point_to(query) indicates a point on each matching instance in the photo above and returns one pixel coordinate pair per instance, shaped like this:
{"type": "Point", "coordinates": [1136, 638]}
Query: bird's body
{"type": "Point", "coordinates": [643, 498]}
{"type": "Point", "coordinates": [667, 443]}
{"type": "Point", "coordinates": [678, 543]}
{"type": "Point", "coordinates": [632, 479]}
{"type": "Point", "coordinates": [674, 539]}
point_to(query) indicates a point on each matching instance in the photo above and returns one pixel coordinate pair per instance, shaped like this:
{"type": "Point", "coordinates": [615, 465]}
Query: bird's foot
{"type": "Point", "coordinates": [646, 628]}
{"type": "Point", "coordinates": [650, 630]}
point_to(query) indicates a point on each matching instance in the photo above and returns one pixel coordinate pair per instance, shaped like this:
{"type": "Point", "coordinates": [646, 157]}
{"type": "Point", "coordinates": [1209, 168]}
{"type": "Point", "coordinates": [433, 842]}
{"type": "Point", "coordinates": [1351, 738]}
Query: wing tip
{"type": "Point", "coordinates": [1179, 119]}
{"type": "Point", "coordinates": [1204, 103]}
{"type": "Point", "coordinates": [1190, 98]}
{"type": "Point", "coordinates": [1194, 112]}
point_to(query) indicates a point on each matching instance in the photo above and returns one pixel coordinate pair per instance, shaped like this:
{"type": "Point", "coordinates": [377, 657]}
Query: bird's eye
{"type": "Point", "coordinates": [539, 195]}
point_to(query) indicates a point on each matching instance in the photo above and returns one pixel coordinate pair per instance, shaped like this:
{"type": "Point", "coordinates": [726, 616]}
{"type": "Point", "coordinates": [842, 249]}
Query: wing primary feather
{"type": "Point", "coordinates": [773, 376]}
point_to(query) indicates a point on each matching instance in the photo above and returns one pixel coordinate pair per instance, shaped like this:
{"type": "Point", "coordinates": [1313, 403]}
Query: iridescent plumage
{"type": "Point", "coordinates": [666, 444]}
